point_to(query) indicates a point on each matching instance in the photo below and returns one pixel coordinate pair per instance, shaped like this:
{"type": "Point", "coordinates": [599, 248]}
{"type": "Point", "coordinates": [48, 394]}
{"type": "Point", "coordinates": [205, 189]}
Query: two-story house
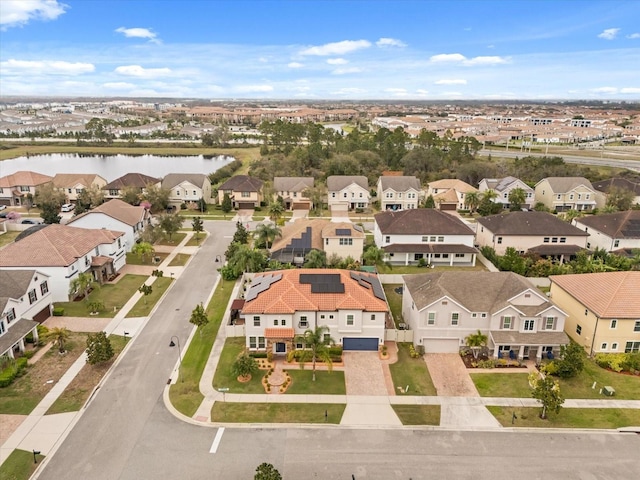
{"type": "Point", "coordinates": [603, 308]}
{"type": "Point", "coordinates": [62, 252]}
{"type": "Point", "coordinates": [73, 184]}
{"type": "Point", "coordinates": [137, 181]}
{"type": "Point", "coordinates": [347, 192]}
{"type": "Point", "coordinates": [118, 216]}
{"type": "Point", "coordinates": [244, 191]}
{"type": "Point", "coordinates": [283, 304]}
{"type": "Point", "coordinates": [560, 194]}
{"type": "Point", "coordinates": [424, 234]}
{"type": "Point", "coordinates": [619, 231]}
{"type": "Point", "coordinates": [444, 308]}
{"type": "Point", "coordinates": [504, 186]}
{"type": "Point", "coordinates": [449, 193]}
{"type": "Point", "coordinates": [25, 302]}
{"type": "Point", "coordinates": [398, 192]}
{"type": "Point", "coordinates": [540, 232]}
{"type": "Point", "coordinates": [187, 187]}
{"type": "Point", "coordinates": [620, 184]}
{"type": "Point", "coordinates": [14, 188]}
{"type": "Point", "coordinates": [292, 190]}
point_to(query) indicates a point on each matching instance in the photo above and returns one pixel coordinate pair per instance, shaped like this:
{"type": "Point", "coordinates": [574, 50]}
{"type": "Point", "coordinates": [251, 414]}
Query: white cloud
{"type": "Point", "coordinates": [607, 90]}
{"type": "Point", "coordinates": [609, 33]}
{"type": "Point", "coordinates": [451, 81]}
{"type": "Point", "coordinates": [345, 71]}
{"type": "Point", "coordinates": [295, 65]}
{"type": "Point", "coordinates": [337, 48]}
{"type": "Point", "coordinates": [487, 60]}
{"type": "Point", "coordinates": [422, 91]}
{"type": "Point", "coordinates": [390, 42]}
{"type": "Point", "coordinates": [118, 85]}
{"type": "Point", "coordinates": [448, 58]}
{"type": "Point", "coordinates": [630, 90]}
{"type": "Point", "coordinates": [138, 33]}
{"type": "Point", "coordinates": [138, 71]}
{"type": "Point", "coordinates": [396, 90]}
{"type": "Point", "coordinates": [459, 58]}
{"type": "Point", "coordinates": [634, 35]}
{"type": "Point", "coordinates": [16, 13]}
{"type": "Point", "coordinates": [45, 67]}
{"type": "Point", "coordinates": [337, 61]}
{"type": "Point", "coordinates": [253, 88]}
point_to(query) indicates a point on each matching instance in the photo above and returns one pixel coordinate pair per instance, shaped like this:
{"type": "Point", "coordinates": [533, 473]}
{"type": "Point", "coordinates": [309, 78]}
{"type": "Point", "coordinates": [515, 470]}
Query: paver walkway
{"type": "Point", "coordinates": [449, 375]}
{"type": "Point", "coordinates": [363, 374]}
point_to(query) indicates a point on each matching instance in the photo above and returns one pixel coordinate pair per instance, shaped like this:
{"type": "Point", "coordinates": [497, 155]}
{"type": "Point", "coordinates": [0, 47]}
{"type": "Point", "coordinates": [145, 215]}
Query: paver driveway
{"type": "Point", "coordinates": [449, 375]}
{"type": "Point", "coordinates": [363, 374]}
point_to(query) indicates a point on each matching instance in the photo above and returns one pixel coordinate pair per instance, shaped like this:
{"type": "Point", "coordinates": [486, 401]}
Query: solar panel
{"type": "Point", "coordinates": [377, 289]}
{"type": "Point", "coordinates": [343, 232]}
{"type": "Point", "coordinates": [323, 282]}
{"type": "Point", "coordinates": [261, 284]}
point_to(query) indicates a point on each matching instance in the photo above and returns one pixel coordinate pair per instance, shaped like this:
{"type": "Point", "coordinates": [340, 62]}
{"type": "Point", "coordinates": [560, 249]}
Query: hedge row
{"type": "Point", "coordinates": [14, 370]}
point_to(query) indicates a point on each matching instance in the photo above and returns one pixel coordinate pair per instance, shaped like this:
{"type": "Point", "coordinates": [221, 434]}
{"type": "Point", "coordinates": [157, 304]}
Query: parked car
{"type": "Point", "coordinates": [2, 207]}
{"type": "Point", "coordinates": [67, 207]}
{"type": "Point", "coordinates": [30, 221]}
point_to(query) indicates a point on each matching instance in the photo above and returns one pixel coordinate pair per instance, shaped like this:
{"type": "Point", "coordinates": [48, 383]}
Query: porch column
{"type": "Point", "coordinates": [521, 352]}
{"type": "Point", "coordinates": [429, 258]}
{"type": "Point", "coordinates": [473, 259]}
{"type": "Point", "coordinates": [406, 259]}
{"type": "Point", "coordinates": [496, 350]}
{"type": "Point", "coordinates": [539, 354]}
{"type": "Point", "coordinates": [10, 353]}
{"type": "Point", "coordinates": [36, 338]}
{"type": "Point", "coordinates": [451, 256]}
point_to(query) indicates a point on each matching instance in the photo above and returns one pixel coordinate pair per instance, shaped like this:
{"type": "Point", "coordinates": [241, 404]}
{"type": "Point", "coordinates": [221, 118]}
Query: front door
{"type": "Point", "coordinates": [525, 353]}
{"type": "Point", "coordinates": [281, 347]}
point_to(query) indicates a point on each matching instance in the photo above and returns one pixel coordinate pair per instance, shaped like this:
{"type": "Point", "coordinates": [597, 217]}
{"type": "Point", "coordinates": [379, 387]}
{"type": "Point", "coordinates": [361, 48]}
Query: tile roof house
{"type": "Point", "coordinates": [444, 308]}
{"type": "Point", "coordinates": [25, 302]}
{"type": "Point", "coordinates": [348, 192]}
{"type": "Point", "coordinates": [603, 309]}
{"type": "Point", "coordinates": [245, 192]}
{"type": "Point", "coordinates": [504, 186]}
{"type": "Point", "coordinates": [292, 190]}
{"type": "Point", "coordinates": [118, 216]}
{"type": "Point", "coordinates": [280, 305]}
{"type": "Point", "coordinates": [398, 192]}
{"type": "Point", "coordinates": [621, 183]}
{"type": "Point", "coordinates": [543, 232]}
{"type": "Point", "coordinates": [341, 239]}
{"type": "Point", "coordinates": [187, 187]}
{"type": "Point", "coordinates": [449, 193]}
{"type": "Point", "coordinates": [72, 184]}
{"type": "Point", "coordinates": [560, 194]}
{"type": "Point", "coordinates": [426, 234]}
{"type": "Point", "coordinates": [62, 252]}
{"type": "Point", "coordinates": [139, 181]}
{"type": "Point", "coordinates": [612, 231]}
{"type": "Point", "coordinates": [15, 187]}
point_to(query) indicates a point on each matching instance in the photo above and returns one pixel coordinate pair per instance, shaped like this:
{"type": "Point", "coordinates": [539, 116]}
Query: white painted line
{"type": "Point", "coordinates": [216, 440]}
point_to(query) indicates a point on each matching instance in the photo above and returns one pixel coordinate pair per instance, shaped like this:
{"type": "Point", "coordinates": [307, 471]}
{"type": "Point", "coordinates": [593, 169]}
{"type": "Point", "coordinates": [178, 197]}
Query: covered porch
{"type": "Point", "coordinates": [527, 345]}
{"type": "Point", "coordinates": [102, 269]}
{"type": "Point", "coordinates": [431, 254]}
{"type": "Point", "coordinates": [556, 252]}
{"type": "Point", "coordinates": [13, 340]}
{"type": "Point", "coordinates": [279, 340]}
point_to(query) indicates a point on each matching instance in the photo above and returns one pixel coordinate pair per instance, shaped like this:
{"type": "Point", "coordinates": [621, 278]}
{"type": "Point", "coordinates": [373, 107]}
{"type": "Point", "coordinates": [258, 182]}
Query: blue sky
{"type": "Point", "coordinates": [332, 49]}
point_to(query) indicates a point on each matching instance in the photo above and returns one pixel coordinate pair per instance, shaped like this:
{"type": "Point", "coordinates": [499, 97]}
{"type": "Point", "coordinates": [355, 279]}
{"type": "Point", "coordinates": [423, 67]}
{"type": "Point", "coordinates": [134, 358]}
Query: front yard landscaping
{"type": "Point", "coordinates": [147, 260]}
{"type": "Point", "coordinates": [567, 418]}
{"type": "Point", "coordinates": [224, 377]}
{"type": "Point", "coordinates": [180, 260]}
{"type": "Point", "coordinates": [176, 238]}
{"type": "Point", "coordinates": [277, 412]}
{"type": "Point", "coordinates": [143, 307]}
{"type": "Point", "coordinates": [327, 383]}
{"type": "Point", "coordinates": [510, 385]}
{"type": "Point", "coordinates": [412, 373]}
{"type": "Point", "coordinates": [418, 414]}
{"type": "Point", "coordinates": [19, 465]}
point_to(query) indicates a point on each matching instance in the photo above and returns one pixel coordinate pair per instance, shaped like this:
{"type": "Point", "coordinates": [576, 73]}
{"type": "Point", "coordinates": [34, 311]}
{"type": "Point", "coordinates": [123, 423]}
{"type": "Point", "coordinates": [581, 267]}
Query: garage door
{"type": "Point", "coordinates": [369, 344]}
{"type": "Point", "coordinates": [246, 206]}
{"type": "Point", "coordinates": [300, 206]}
{"type": "Point", "coordinates": [42, 315]}
{"type": "Point", "coordinates": [448, 206]}
{"type": "Point", "coordinates": [441, 345]}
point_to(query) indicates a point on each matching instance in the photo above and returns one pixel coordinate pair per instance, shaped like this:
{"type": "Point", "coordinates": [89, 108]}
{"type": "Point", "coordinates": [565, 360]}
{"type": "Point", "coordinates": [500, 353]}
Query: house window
{"type": "Point", "coordinates": [194, 193]}
{"type": "Point", "coordinates": [614, 324]}
{"type": "Point", "coordinates": [261, 343]}
{"type": "Point", "coordinates": [322, 317]}
{"type": "Point", "coordinates": [528, 325]}
{"type": "Point", "coordinates": [563, 239]}
{"type": "Point", "coordinates": [441, 239]}
{"type": "Point", "coordinates": [455, 317]}
{"type": "Point", "coordinates": [387, 239]}
{"type": "Point", "coordinates": [549, 323]}
{"type": "Point", "coordinates": [32, 296]}
{"type": "Point", "coordinates": [11, 316]}
{"type": "Point", "coordinates": [554, 240]}
{"type": "Point", "coordinates": [579, 329]}
{"type": "Point", "coordinates": [632, 347]}
{"type": "Point", "coordinates": [113, 193]}
{"type": "Point", "coordinates": [177, 192]}
{"type": "Point", "coordinates": [333, 194]}
{"type": "Point", "coordinates": [474, 315]}
{"type": "Point", "coordinates": [399, 195]}
{"type": "Point", "coordinates": [425, 238]}
{"type": "Point", "coordinates": [432, 238]}
{"type": "Point", "coordinates": [44, 288]}
{"type": "Point", "coordinates": [349, 319]}
{"type": "Point", "coordinates": [275, 322]}
{"type": "Point", "coordinates": [636, 327]}
{"type": "Point", "coordinates": [24, 188]}
{"type": "Point", "coordinates": [330, 317]}
{"type": "Point", "coordinates": [571, 196]}
{"type": "Point", "coordinates": [587, 196]}
{"type": "Point", "coordinates": [303, 322]}
{"type": "Point", "coordinates": [344, 194]}
{"type": "Point", "coordinates": [283, 322]}
{"type": "Point", "coordinates": [499, 240]}
{"type": "Point", "coordinates": [256, 321]}
{"type": "Point", "coordinates": [252, 342]}
{"type": "Point", "coordinates": [299, 345]}
{"type": "Point", "coordinates": [506, 323]}
{"type": "Point", "coordinates": [546, 240]}
{"type": "Point", "coordinates": [614, 346]}
{"type": "Point", "coordinates": [373, 316]}
{"type": "Point", "coordinates": [484, 315]}
{"type": "Point", "coordinates": [418, 256]}
{"type": "Point", "coordinates": [1, 328]}
{"type": "Point", "coordinates": [326, 338]}
{"type": "Point", "coordinates": [445, 255]}
{"type": "Point", "coordinates": [346, 241]}
{"type": "Point", "coordinates": [459, 255]}
{"type": "Point", "coordinates": [603, 346]}
{"type": "Point", "coordinates": [246, 194]}
{"type": "Point", "coordinates": [616, 243]}
{"type": "Point", "coordinates": [431, 318]}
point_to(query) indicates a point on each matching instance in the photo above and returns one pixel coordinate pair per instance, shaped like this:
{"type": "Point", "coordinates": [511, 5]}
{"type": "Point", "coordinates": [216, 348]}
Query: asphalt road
{"type": "Point", "coordinates": [577, 159]}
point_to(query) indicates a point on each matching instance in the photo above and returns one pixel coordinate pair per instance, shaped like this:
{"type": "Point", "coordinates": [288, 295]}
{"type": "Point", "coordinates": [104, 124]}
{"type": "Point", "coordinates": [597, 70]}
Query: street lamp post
{"type": "Point", "coordinates": [172, 344]}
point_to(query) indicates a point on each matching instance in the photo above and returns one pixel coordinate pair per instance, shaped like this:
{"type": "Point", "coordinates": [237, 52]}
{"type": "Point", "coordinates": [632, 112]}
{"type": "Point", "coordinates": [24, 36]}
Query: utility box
{"type": "Point", "coordinates": [609, 391]}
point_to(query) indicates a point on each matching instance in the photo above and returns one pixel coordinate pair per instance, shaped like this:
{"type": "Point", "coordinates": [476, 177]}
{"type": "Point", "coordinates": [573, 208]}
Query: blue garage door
{"type": "Point", "coordinates": [370, 344]}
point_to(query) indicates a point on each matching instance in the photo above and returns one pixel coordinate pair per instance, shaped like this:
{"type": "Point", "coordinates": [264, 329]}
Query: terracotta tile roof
{"type": "Point", "coordinates": [116, 208]}
{"type": "Point", "coordinates": [615, 225]}
{"type": "Point", "coordinates": [25, 178]}
{"type": "Point", "coordinates": [288, 295]}
{"type": "Point", "coordinates": [529, 223]}
{"type": "Point", "coordinates": [607, 294]}
{"type": "Point", "coordinates": [100, 260]}
{"type": "Point", "coordinates": [420, 221]}
{"type": "Point", "coordinates": [55, 246]}
{"type": "Point", "coordinates": [279, 333]}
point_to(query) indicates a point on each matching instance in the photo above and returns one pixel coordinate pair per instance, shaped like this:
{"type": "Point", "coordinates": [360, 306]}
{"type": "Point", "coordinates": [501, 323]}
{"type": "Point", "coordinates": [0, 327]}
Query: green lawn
{"type": "Point", "coordinates": [327, 383]}
{"type": "Point", "coordinates": [510, 385]}
{"type": "Point", "coordinates": [7, 238]}
{"type": "Point", "coordinates": [112, 295]}
{"type": "Point", "coordinates": [180, 260]}
{"type": "Point", "coordinates": [176, 238]}
{"type": "Point", "coordinates": [568, 417]}
{"type": "Point", "coordinates": [224, 378]}
{"type": "Point", "coordinates": [418, 414]}
{"type": "Point", "coordinates": [395, 302]}
{"type": "Point", "coordinates": [411, 372]}
{"type": "Point", "coordinates": [19, 465]}
{"type": "Point", "coordinates": [185, 395]}
{"type": "Point", "coordinates": [276, 412]}
{"type": "Point", "coordinates": [194, 242]}
{"type": "Point", "coordinates": [627, 387]}
{"type": "Point", "coordinates": [143, 307]}
{"type": "Point", "coordinates": [134, 259]}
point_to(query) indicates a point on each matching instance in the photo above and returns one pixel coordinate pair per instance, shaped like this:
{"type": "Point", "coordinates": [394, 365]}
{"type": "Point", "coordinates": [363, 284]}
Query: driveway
{"type": "Point", "coordinates": [297, 214]}
{"type": "Point", "coordinates": [449, 375]}
{"type": "Point", "coordinates": [243, 216]}
{"type": "Point", "coordinates": [363, 374]}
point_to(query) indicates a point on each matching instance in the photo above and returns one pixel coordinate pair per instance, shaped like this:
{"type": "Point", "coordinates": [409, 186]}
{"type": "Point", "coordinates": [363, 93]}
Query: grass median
{"type": "Point", "coordinates": [528, 417]}
{"type": "Point", "coordinates": [412, 373]}
{"type": "Point", "coordinates": [418, 414]}
{"type": "Point", "coordinates": [143, 307]}
{"type": "Point", "coordinates": [277, 412]}
{"type": "Point", "coordinates": [185, 394]}
{"type": "Point", "coordinates": [19, 465]}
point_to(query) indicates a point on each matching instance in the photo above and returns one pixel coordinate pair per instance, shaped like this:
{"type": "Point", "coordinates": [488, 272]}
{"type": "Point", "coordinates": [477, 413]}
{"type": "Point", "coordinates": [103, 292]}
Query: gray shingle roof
{"type": "Point", "coordinates": [292, 184]}
{"type": "Point", "coordinates": [138, 180]}
{"type": "Point", "coordinates": [565, 184]}
{"type": "Point", "coordinates": [399, 184]}
{"type": "Point", "coordinates": [242, 183]}
{"type": "Point", "coordinates": [13, 284]}
{"type": "Point", "coordinates": [420, 221]}
{"type": "Point", "coordinates": [605, 185]}
{"type": "Point", "coordinates": [173, 179]}
{"type": "Point", "coordinates": [529, 223]}
{"type": "Point", "coordinates": [338, 182]}
{"type": "Point", "coordinates": [615, 225]}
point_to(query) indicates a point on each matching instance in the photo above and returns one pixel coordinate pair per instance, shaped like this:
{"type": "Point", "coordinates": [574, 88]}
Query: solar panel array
{"type": "Point", "coordinates": [323, 282]}
{"type": "Point", "coordinates": [372, 282]}
{"type": "Point", "coordinates": [343, 232]}
{"type": "Point", "coordinates": [261, 284]}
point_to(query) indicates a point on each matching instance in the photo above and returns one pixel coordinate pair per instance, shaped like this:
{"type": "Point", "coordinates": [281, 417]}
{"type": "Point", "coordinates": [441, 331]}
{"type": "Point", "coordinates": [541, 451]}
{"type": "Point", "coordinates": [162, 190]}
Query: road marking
{"type": "Point", "coordinates": [216, 440]}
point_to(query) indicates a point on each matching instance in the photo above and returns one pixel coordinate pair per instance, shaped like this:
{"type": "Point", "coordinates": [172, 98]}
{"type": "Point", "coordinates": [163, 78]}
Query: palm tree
{"type": "Point", "coordinates": [59, 336]}
{"type": "Point", "coordinates": [247, 259]}
{"type": "Point", "coordinates": [275, 211]}
{"type": "Point", "coordinates": [476, 341]}
{"type": "Point", "coordinates": [143, 249]}
{"type": "Point", "coordinates": [375, 256]}
{"type": "Point", "coordinates": [81, 284]}
{"type": "Point", "coordinates": [570, 215]}
{"type": "Point", "coordinates": [315, 259]}
{"type": "Point", "coordinates": [267, 233]}
{"type": "Point", "coordinates": [472, 199]}
{"type": "Point", "coordinates": [316, 194]}
{"type": "Point", "coordinates": [316, 347]}
{"type": "Point", "coordinates": [517, 197]}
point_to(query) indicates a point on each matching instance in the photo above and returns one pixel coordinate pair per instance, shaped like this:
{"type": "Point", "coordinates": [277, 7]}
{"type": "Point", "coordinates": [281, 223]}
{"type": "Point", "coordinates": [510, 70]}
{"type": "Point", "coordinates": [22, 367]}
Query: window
{"type": "Point", "coordinates": [571, 196]}
{"type": "Point", "coordinates": [632, 347]}
{"type": "Point", "coordinates": [506, 323]}
{"type": "Point", "coordinates": [636, 326]}
{"type": "Point", "coordinates": [554, 240]}
{"type": "Point", "coordinates": [614, 324]}
{"type": "Point", "coordinates": [44, 288]}
{"type": "Point", "coordinates": [549, 323]}
{"type": "Point", "coordinates": [432, 238]}
{"type": "Point", "coordinates": [484, 315]}
{"type": "Point", "coordinates": [177, 192]}
{"type": "Point", "coordinates": [455, 317]}
{"type": "Point", "coordinates": [275, 322]}
{"type": "Point", "coordinates": [261, 343]}
{"type": "Point", "coordinates": [1, 328]}
{"type": "Point", "coordinates": [603, 346]}
{"type": "Point", "coordinates": [194, 193]}
{"type": "Point", "coordinates": [528, 325]}
{"type": "Point", "coordinates": [326, 338]}
{"type": "Point", "coordinates": [252, 342]}
{"type": "Point", "coordinates": [431, 318]}
{"type": "Point", "coordinates": [587, 196]}
{"type": "Point", "coordinates": [346, 241]}
{"type": "Point", "coordinates": [69, 190]}
{"type": "Point", "coordinates": [499, 240]}
{"type": "Point", "coordinates": [418, 256]}
{"type": "Point", "coordinates": [344, 194]}
{"type": "Point", "coordinates": [256, 321]}
{"type": "Point", "coordinates": [299, 345]}
{"type": "Point", "coordinates": [24, 188]}
{"type": "Point", "coordinates": [11, 316]}
{"type": "Point", "coordinates": [558, 197]}
{"type": "Point", "coordinates": [303, 322]}
{"type": "Point", "coordinates": [445, 255]}
{"type": "Point", "coordinates": [283, 322]}
{"type": "Point", "coordinates": [349, 319]}
{"type": "Point", "coordinates": [425, 238]}
{"type": "Point", "coordinates": [373, 316]}
{"type": "Point", "coordinates": [441, 239]}
{"type": "Point", "coordinates": [113, 193]}
{"type": "Point", "coordinates": [614, 346]}
{"type": "Point", "coordinates": [32, 296]}
{"type": "Point", "coordinates": [546, 239]}
{"type": "Point", "coordinates": [322, 317]}
{"type": "Point", "coordinates": [616, 243]}
{"type": "Point", "coordinates": [579, 329]}
{"type": "Point", "coordinates": [387, 239]}
{"type": "Point", "coordinates": [459, 255]}
{"type": "Point", "coordinates": [333, 194]}
{"type": "Point", "coordinates": [330, 317]}
{"type": "Point", "coordinates": [246, 194]}
{"type": "Point", "coordinates": [474, 315]}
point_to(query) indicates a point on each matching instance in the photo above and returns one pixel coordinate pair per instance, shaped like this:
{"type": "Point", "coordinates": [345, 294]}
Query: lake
{"type": "Point", "coordinates": [111, 167]}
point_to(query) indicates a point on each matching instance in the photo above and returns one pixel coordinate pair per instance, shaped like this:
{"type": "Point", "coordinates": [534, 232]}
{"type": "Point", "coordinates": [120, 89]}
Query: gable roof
{"type": "Point", "coordinates": [26, 178]}
{"type": "Point", "coordinates": [476, 291]}
{"type": "Point", "coordinates": [242, 183]}
{"type": "Point", "coordinates": [566, 184]}
{"type": "Point", "coordinates": [420, 221]}
{"type": "Point", "coordinates": [453, 183]}
{"type": "Point", "coordinates": [605, 185]}
{"type": "Point", "coordinates": [118, 209]}
{"type": "Point", "coordinates": [504, 183]}
{"type": "Point", "coordinates": [14, 284]}
{"type": "Point", "coordinates": [292, 293]}
{"type": "Point", "coordinates": [529, 223]}
{"type": "Point", "coordinates": [615, 225]}
{"type": "Point", "coordinates": [172, 179]}
{"type": "Point", "coordinates": [292, 184]}
{"type": "Point", "coordinates": [607, 294]}
{"type": "Point", "coordinates": [67, 180]}
{"type": "Point", "coordinates": [138, 180]}
{"type": "Point", "coordinates": [399, 184]}
{"type": "Point", "coordinates": [55, 246]}
{"type": "Point", "coordinates": [339, 182]}
{"type": "Point", "coordinates": [301, 235]}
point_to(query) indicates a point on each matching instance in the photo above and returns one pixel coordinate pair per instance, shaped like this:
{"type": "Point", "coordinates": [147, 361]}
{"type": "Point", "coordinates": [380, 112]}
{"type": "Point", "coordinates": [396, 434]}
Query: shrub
{"type": "Point", "coordinates": [58, 311]}
{"type": "Point", "coordinates": [486, 363]}
{"type": "Point", "coordinates": [270, 356]}
{"type": "Point", "coordinates": [13, 370]}
{"type": "Point", "coordinates": [258, 354]}
{"type": "Point", "coordinates": [550, 368]}
{"type": "Point", "coordinates": [258, 209]}
{"type": "Point", "coordinates": [99, 349]}
{"type": "Point", "coordinates": [29, 354]}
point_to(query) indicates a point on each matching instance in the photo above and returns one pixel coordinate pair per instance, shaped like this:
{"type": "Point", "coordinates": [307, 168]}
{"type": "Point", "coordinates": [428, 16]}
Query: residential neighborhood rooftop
{"type": "Point", "coordinates": [242, 183]}
{"type": "Point", "coordinates": [118, 209]}
{"type": "Point", "coordinates": [418, 221]}
{"type": "Point", "coordinates": [529, 223]}
{"type": "Point", "coordinates": [615, 225]}
{"type": "Point", "coordinates": [338, 182]}
{"type": "Point", "coordinates": [138, 180]}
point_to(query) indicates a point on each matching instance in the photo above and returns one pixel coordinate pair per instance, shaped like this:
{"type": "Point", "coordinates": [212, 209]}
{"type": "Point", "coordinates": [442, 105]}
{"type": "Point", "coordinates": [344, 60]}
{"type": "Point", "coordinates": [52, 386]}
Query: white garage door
{"type": "Point", "coordinates": [441, 345]}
